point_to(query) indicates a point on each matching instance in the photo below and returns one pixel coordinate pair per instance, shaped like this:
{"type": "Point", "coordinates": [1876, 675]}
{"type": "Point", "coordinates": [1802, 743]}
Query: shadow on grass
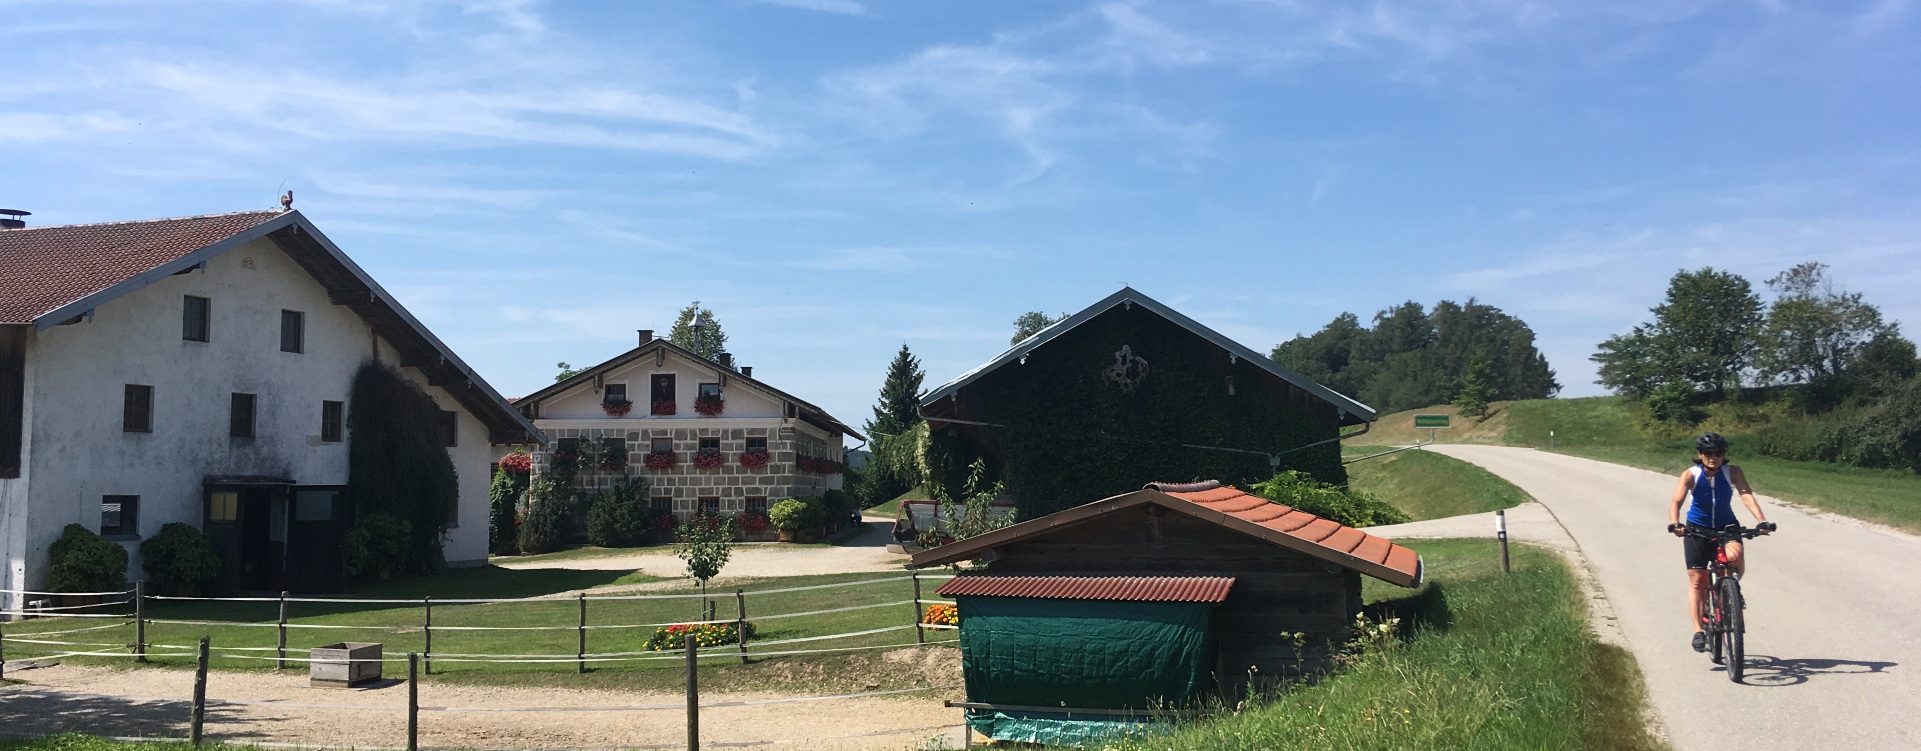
{"type": "Point", "coordinates": [1426, 610]}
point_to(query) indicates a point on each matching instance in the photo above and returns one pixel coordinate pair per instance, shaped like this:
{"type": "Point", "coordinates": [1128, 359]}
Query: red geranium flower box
{"type": "Point", "coordinates": [616, 407]}
{"type": "Point", "coordinates": [660, 460]}
{"type": "Point", "coordinates": [754, 458]}
{"type": "Point", "coordinates": [709, 458]}
{"type": "Point", "coordinates": [708, 405]}
{"type": "Point", "coordinates": [664, 407]}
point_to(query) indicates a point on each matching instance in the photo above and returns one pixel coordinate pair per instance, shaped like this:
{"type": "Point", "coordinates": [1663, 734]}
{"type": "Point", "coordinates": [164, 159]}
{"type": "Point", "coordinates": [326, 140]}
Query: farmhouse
{"type": "Point", "coordinates": [1126, 392]}
{"type": "Point", "coordinates": [707, 436]}
{"type": "Point", "coordinates": [1152, 599]}
{"type": "Point", "coordinates": [198, 370]}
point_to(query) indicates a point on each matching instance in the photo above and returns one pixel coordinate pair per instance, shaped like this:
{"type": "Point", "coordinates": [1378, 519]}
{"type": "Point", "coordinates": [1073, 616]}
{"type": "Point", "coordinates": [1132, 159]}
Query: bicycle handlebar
{"type": "Point", "coordinates": [1735, 533]}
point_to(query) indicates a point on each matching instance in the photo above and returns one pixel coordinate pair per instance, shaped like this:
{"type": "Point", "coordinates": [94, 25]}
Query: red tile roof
{"type": "Point", "coordinates": [44, 268]}
{"type": "Point", "coordinates": [1229, 507]}
{"type": "Point", "coordinates": [1325, 533]}
{"type": "Point", "coordinates": [1209, 589]}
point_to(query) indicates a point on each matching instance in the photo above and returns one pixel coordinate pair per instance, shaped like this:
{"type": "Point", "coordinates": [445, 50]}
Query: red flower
{"type": "Point", "coordinates": [754, 458]}
{"type": "Point", "coordinates": [517, 462]}
{"type": "Point", "coordinates": [753, 523]}
{"type": "Point", "coordinates": [616, 407]}
{"type": "Point", "coordinates": [658, 460]}
{"type": "Point", "coordinates": [709, 458]}
{"type": "Point", "coordinates": [664, 407]}
{"type": "Point", "coordinates": [709, 405]}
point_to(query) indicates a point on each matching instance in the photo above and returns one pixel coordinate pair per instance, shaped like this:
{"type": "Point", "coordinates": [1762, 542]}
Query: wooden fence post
{"type": "Point", "coordinates": [693, 692]}
{"type": "Point", "coordinates": [920, 634]}
{"type": "Point", "coordinates": [199, 716]}
{"type": "Point", "coordinates": [580, 652]}
{"type": "Point", "coordinates": [140, 621]}
{"type": "Point", "coordinates": [413, 701]}
{"type": "Point", "coordinates": [3, 642]}
{"type": "Point", "coordinates": [427, 651]}
{"type": "Point", "coordinates": [280, 649]}
{"type": "Point", "coordinates": [740, 622]}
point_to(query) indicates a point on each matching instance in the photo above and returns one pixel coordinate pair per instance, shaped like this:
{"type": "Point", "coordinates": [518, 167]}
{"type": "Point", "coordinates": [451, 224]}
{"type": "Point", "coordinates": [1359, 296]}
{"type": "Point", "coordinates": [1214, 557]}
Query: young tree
{"type": "Point", "coordinates": [705, 545]}
{"type": "Point", "coordinates": [1814, 331]}
{"type": "Point", "coordinates": [707, 341]}
{"type": "Point", "coordinates": [1031, 323]}
{"type": "Point", "coordinates": [1477, 388]}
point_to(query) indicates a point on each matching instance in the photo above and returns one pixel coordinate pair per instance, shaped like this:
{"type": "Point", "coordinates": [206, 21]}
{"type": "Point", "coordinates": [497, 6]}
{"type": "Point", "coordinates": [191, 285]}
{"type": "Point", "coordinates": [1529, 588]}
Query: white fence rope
{"type": "Point", "coordinates": [66, 594]}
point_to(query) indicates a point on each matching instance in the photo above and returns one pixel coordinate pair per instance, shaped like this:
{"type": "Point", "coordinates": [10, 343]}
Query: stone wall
{"type": "Point", "coordinates": [687, 484]}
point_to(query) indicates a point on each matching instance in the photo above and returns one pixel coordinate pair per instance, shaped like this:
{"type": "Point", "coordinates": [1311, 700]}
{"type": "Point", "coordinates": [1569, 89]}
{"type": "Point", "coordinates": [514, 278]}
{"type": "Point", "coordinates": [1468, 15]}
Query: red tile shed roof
{"type": "Point", "coordinates": [1229, 507]}
{"type": "Point", "coordinates": [44, 268]}
{"type": "Point", "coordinates": [1209, 589]}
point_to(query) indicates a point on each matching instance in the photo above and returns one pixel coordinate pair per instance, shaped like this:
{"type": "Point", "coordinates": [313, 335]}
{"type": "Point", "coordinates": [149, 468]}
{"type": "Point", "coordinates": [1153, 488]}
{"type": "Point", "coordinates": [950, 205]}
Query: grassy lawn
{"type": "Point", "coordinates": [892, 507]}
{"type": "Point", "coordinates": [1427, 485]}
{"type": "Point", "coordinates": [1489, 662]}
{"type": "Point", "coordinates": [78, 742]}
{"type": "Point", "coordinates": [1887, 496]}
{"type": "Point", "coordinates": [398, 627]}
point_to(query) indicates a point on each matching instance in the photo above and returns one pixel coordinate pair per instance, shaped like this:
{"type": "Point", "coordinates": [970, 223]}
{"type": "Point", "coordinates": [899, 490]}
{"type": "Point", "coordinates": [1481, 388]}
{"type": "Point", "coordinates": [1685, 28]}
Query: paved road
{"type": "Point", "coordinates": [1834, 611]}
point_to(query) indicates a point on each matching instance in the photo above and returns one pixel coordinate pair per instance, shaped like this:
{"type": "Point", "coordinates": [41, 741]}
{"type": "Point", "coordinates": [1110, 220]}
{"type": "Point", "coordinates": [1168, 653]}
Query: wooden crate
{"type": "Point", "coordinates": [344, 665]}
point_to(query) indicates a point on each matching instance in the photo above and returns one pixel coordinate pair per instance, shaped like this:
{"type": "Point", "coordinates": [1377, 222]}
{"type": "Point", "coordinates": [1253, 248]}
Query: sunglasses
{"type": "Point", "coordinates": [1714, 454]}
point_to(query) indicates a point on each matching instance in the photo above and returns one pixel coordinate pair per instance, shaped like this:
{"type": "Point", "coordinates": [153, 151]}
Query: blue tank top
{"type": "Point", "coordinates": [1713, 498]}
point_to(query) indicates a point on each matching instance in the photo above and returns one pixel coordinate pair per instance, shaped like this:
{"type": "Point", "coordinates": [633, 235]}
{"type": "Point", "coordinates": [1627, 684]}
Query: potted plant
{"type": "Point", "coordinates": [708, 405]}
{"type": "Point", "coordinates": [664, 407]}
{"type": "Point", "coordinates": [617, 407]}
{"type": "Point", "coordinates": [660, 460]}
{"type": "Point", "coordinates": [709, 458]}
{"type": "Point", "coordinates": [790, 516]}
{"type": "Point", "coordinates": [754, 458]}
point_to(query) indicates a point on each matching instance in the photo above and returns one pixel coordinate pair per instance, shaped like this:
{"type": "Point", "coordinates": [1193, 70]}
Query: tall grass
{"type": "Point", "coordinates": [1488, 662]}
{"type": "Point", "coordinates": [1426, 485]}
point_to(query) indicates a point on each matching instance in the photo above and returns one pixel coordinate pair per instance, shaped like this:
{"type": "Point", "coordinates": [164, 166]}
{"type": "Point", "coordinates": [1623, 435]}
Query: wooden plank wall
{"type": "Point", "coordinates": [1276, 590]}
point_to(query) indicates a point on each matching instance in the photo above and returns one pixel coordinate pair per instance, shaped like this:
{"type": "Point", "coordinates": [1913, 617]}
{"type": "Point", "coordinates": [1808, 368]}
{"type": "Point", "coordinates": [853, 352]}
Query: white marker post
{"type": "Point", "coordinates": [1500, 533]}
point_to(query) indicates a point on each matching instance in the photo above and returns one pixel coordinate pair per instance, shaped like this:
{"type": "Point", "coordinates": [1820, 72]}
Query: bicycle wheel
{"type": "Point", "coordinates": [1733, 633]}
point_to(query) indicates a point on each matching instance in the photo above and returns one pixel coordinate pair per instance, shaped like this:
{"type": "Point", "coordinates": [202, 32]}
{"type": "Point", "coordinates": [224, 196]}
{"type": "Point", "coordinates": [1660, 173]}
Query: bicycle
{"type": "Point", "coordinates": [1722, 610]}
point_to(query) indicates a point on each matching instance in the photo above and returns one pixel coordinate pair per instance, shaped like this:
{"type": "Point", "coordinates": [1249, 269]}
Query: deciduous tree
{"type": "Point", "coordinates": [709, 341]}
{"type": "Point", "coordinates": [1031, 323]}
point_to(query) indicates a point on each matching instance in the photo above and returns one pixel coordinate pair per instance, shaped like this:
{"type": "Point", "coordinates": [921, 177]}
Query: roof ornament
{"type": "Point", "coordinates": [1127, 371]}
{"type": "Point", "coordinates": [286, 201]}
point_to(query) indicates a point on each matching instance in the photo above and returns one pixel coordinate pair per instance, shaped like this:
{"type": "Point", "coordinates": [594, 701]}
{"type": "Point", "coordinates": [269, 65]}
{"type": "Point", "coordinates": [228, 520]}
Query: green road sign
{"type": "Point", "coordinates": [1430, 421]}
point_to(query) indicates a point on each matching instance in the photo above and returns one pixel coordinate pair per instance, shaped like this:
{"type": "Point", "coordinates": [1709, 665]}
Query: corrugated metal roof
{"type": "Point", "coordinates": [1229, 507]}
{"type": "Point", "coordinates": [1209, 589]}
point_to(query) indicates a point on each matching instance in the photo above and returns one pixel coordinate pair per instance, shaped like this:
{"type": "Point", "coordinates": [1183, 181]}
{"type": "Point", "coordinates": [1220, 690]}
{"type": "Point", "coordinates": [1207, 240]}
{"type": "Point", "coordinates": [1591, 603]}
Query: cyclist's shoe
{"type": "Point", "coordinates": [1700, 641]}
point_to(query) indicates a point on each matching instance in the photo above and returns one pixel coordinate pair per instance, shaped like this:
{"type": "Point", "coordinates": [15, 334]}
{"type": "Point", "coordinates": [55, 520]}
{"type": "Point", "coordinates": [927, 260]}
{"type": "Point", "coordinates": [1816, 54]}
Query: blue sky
{"type": "Point", "coordinates": [535, 181]}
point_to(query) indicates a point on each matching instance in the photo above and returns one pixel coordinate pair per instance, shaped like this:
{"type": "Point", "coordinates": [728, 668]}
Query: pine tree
{"type": "Point", "coordinates": [712, 340]}
{"type": "Point", "coordinates": [899, 405]}
{"type": "Point", "coordinates": [1477, 388]}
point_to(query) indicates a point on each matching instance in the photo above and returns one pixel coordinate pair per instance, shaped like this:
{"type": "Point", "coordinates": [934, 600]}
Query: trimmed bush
{"type": "Point", "coordinates": [619, 516]}
{"type": "Point", "coordinates": [82, 561]}
{"type": "Point", "coordinates": [543, 523]}
{"type": "Point", "coordinates": [379, 546]}
{"type": "Point", "coordinates": [179, 560]}
{"type": "Point", "coordinates": [1333, 502]}
{"type": "Point", "coordinates": [792, 515]}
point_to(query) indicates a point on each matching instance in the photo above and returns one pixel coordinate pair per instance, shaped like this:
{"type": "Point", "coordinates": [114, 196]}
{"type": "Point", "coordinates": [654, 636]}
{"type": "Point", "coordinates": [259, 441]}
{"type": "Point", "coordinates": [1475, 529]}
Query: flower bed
{"type": "Point", "coordinates": [708, 405]}
{"type": "Point", "coordinates": [709, 458]}
{"type": "Point", "coordinates": [658, 460]}
{"type": "Point", "coordinates": [664, 407]}
{"type": "Point", "coordinates": [754, 459]}
{"type": "Point", "coordinates": [668, 638]}
{"type": "Point", "coordinates": [941, 614]}
{"type": "Point", "coordinates": [617, 407]}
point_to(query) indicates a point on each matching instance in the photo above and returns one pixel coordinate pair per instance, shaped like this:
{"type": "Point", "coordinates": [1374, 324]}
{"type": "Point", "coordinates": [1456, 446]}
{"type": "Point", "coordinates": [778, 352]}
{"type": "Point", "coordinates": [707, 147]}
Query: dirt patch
{"type": "Point", "coordinates": [267, 707]}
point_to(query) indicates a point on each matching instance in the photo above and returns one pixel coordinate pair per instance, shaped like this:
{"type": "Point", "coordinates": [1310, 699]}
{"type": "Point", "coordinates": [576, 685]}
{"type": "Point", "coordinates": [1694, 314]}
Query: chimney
{"type": "Point", "coordinates": [646, 335]}
{"type": "Point", "coordinates": [10, 219]}
{"type": "Point", "coordinates": [727, 360]}
{"type": "Point", "coordinates": [747, 370]}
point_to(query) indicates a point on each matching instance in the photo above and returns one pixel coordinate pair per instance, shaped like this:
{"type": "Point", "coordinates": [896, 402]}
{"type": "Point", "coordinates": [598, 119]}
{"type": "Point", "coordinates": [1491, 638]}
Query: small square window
{"type": "Point", "coordinates": [293, 331]}
{"type": "Point", "coordinates": [120, 515]}
{"type": "Point", "coordinates": [223, 506]}
{"type": "Point", "coordinates": [709, 389]}
{"type": "Point", "coordinates": [613, 392]}
{"type": "Point", "coordinates": [567, 445]}
{"type": "Point", "coordinates": [450, 428]}
{"type": "Point", "coordinates": [710, 506]}
{"type": "Point", "coordinates": [662, 445]}
{"type": "Point", "coordinates": [757, 504]}
{"type": "Point", "coordinates": [194, 318]}
{"type": "Point", "coordinates": [756, 444]}
{"type": "Point", "coordinates": [332, 418]}
{"type": "Point", "coordinates": [710, 443]}
{"type": "Point", "coordinates": [136, 413]}
{"type": "Point", "coordinates": [240, 416]}
{"type": "Point", "coordinates": [662, 504]}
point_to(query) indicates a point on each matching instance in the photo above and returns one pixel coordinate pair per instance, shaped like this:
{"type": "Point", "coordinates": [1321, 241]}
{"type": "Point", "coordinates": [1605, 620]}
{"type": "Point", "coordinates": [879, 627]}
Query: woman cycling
{"type": "Point", "coordinates": [1711, 483]}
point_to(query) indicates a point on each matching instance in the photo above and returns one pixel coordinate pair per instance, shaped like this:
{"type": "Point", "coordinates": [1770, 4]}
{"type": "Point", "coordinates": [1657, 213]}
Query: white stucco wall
{"type": "Point", "coordinates": [77, 451]}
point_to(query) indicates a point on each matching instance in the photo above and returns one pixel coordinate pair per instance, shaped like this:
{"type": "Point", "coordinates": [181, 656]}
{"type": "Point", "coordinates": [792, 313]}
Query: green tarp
{"type": "Point", "coordinates": [1082, 654]}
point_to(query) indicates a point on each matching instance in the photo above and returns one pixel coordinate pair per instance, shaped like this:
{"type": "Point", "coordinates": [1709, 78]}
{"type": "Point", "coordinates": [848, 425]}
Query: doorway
{"type": "Point", "coordinates": [247, 525]}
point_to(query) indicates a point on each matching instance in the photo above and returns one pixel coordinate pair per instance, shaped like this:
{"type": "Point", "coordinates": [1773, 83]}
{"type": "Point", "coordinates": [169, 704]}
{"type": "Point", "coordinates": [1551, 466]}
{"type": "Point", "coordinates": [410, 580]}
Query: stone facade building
{"type": "Point", "coordinates": [660, 400]}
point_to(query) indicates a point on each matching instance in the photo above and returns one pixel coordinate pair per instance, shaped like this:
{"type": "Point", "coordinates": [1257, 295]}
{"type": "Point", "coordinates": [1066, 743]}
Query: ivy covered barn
{"type": "Point", "coordinates": [707, 436]}
{"type": "Point", "coordinates": [1081, 623]}
{"type": "Point", "coordinates": [1127, 392]}
{"type": "Point", "coordinates": [204, 370]}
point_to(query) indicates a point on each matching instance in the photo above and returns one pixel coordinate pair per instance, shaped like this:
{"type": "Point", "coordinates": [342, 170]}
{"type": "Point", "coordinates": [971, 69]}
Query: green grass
{"type": "Point", "coordinates": [79, 742]}
{"type": "Point", "coordinates": [1426, 485]}
{"type": "Point", "coordinates": [397, 626]}
{"type": "Point", "coordinates": [1590, 421]}
{"type": "Point", "coordinates": [892, 507]}
{"type": "Point", "coordinates": [1886, 496]}
{"type": "Point", "coordinates": [1492, 662]}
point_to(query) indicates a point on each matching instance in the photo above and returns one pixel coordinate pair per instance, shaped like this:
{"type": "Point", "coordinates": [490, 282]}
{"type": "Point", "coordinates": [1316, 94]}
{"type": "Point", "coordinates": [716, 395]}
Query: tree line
{"type": "Point", "coordinates": [1412, 357]}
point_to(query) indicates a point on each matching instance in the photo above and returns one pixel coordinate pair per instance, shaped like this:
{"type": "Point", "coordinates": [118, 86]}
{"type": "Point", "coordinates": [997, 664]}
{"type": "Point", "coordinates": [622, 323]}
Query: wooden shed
{"type": "Point", "coordinates": [1153, 598]}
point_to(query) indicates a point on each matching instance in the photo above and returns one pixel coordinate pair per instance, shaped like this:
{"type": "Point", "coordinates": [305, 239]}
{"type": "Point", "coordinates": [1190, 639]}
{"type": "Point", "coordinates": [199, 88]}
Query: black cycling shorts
{"type": "Point", "coordinates": [1699, 552]}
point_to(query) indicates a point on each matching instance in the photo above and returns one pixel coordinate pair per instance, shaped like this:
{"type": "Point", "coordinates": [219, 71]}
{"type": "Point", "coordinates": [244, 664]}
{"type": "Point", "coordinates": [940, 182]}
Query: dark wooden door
{"type": "Point", "coordinates": [317, 540]}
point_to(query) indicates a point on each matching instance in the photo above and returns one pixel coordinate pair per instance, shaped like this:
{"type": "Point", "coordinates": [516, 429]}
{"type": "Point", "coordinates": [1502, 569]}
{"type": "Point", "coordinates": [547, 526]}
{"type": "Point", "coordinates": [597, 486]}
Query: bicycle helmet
{"type": "Point", "coordinates": [1710, 442]}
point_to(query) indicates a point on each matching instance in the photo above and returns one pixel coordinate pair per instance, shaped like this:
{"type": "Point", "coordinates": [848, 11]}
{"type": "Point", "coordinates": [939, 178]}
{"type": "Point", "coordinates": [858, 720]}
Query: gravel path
{"type": "Point", "coordinates": [282, 709]}
{"type": "Point", "coordinates": [864, 553]}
